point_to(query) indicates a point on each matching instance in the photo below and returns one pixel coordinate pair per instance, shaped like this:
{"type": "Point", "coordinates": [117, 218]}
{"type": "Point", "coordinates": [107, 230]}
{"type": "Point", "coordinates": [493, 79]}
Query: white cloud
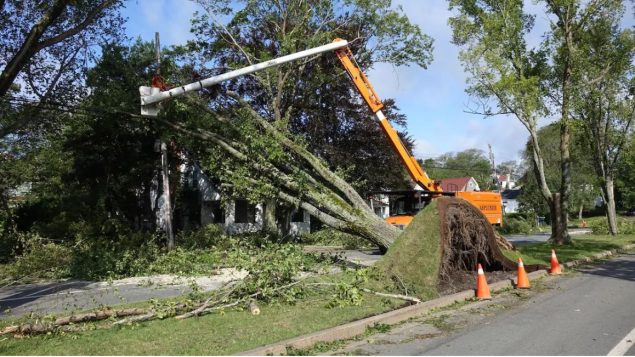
{"type": "Point", "coordinates": [423, 149]}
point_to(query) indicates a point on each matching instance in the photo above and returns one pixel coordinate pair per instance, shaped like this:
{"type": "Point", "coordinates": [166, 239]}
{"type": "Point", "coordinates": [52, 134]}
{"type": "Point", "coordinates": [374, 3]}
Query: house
{"type": "Point", "coordinates": [510, 200]}
{"type": "Point", "coordinates": [205, 206]}
{"type": "Point", "coordinates": [505, 182]}
{"type": "Point", "coordinates": [380, 204]}
{"type": "Point", "coordinates": [459, 184]}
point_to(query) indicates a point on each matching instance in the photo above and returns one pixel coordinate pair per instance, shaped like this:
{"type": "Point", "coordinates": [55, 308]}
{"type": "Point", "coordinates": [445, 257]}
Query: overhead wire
{"type": "Point", "coordinates": [95, 112]}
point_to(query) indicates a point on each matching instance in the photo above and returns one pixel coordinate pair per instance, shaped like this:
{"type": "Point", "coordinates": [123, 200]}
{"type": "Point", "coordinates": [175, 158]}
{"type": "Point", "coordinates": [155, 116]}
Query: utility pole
{"type": "Point", "coordinates": [491, 159]}
{"type": "Point", "coordinates": [167, 214]}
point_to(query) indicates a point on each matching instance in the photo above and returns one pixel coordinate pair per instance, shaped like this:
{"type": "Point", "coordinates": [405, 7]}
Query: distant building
{"type": "Point", "coordinates": [459, 184]}
{"type": "Point", "coordinates": [505, 182]}
{"type": "Point", "coordinates": [380, 204]}
{"type": "Point", "coordinates": [510, 200]}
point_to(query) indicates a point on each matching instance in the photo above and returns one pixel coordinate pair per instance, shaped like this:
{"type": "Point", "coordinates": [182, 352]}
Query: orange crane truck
{"type": "Point", "coordinates": [489, 203]}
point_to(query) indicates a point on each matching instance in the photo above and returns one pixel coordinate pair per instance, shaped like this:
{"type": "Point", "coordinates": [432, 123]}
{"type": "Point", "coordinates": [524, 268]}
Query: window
{"type": "Point", "coordinates": [245, 212]}
{"type": "Point", "coordinates": [298, 215]}
{"type": "Point", "coordinates": [215, 210]}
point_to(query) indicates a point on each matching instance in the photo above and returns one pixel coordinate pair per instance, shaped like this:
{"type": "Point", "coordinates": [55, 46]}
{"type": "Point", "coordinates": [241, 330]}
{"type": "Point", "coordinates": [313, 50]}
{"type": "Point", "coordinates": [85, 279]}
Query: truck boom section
{"type": "Point", "coordinates": [370, 96]}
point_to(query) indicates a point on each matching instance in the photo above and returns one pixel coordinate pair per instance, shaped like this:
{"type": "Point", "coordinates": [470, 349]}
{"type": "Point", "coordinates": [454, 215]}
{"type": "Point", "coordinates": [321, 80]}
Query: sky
{"type": "Point", "coordinates": [433, 99]}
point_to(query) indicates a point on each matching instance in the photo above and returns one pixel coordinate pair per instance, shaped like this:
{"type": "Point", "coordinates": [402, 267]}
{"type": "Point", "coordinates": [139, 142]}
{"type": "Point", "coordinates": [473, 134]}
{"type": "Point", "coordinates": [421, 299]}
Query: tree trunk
{"type": "Point", "coordinates": [563, 236]}
{"type": "Point", "coordinates": [580, 211]}
{"type": "Point", "coordinates": [553, 199]}
{"type": "Point", "coordinates": [611, 215]}
{"type": "Point", "coordinates": [269, 217]}
{"type": "Point", "coordinates": [555, 217]}
{"type": "Point", "coordinates": [559, 221]}
{"type": "Point", "coordinates": [166, 192]}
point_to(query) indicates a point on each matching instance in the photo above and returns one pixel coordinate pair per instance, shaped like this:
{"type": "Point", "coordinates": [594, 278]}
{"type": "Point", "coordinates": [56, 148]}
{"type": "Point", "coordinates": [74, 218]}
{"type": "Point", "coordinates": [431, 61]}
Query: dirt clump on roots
{"type": "Point", "coordinates": [438, 251]}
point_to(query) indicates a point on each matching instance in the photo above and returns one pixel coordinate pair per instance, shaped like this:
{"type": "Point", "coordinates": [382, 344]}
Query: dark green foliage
{"type": "Point", "coordinates": [467, 163]}
{"type": "Point", "coordinates": [97, 172]}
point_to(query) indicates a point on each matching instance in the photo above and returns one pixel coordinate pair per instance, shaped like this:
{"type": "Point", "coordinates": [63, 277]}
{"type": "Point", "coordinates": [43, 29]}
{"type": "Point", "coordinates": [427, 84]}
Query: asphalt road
{"type": "Point", "coordinates": [586, 313]}
{"type": "Point", "coordinates": [520, 239]}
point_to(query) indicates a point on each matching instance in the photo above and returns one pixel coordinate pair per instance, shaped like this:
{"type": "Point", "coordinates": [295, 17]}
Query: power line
{"type": "Point", "coordinates": [66, 108]}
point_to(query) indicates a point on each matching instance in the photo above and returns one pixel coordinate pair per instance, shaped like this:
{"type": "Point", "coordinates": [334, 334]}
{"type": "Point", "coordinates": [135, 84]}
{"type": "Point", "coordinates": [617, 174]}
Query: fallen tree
{"type": "Point", "coordinates": [261, 160]}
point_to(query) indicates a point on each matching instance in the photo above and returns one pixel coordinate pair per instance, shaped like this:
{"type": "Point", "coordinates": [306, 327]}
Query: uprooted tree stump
{"type": "Point", "coordinates": [445, 240]}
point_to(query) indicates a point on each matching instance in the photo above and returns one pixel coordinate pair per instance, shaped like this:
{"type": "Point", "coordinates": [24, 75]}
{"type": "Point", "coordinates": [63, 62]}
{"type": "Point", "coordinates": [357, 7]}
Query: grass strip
{"type": "Point", "coordinates": [583, 246]}
{"type": "Point", "coordinates": [221, 333]}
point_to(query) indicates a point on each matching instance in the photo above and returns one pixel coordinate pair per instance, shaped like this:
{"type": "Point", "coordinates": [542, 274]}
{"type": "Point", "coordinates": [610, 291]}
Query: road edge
{"type": "Point", "coordinates": [355, 328]}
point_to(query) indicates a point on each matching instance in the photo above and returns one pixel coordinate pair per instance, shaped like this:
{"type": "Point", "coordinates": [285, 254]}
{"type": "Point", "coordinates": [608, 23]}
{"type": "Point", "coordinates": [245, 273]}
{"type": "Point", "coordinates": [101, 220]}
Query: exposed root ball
{"type": "Point", "coordinates": [467, 239]}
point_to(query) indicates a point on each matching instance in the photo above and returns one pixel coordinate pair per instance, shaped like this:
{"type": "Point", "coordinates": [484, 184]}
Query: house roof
{"type": "Point", "coordinates": [455, 183]}
{"type": "Point", "coordinates": [510, 194]}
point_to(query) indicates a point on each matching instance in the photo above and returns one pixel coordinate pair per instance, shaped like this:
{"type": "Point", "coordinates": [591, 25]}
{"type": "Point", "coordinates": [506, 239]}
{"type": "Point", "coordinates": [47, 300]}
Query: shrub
{"type": "Point", "coordinates": [181, 261]}
{"type": "Point", "coordinates": [517, 224]}
{"type": "Point", "coordinates": [204, 237]}
{"type": "Point", "coordinates": [41, 258]}
{"type": "Point", "coordinates": [624, 226]}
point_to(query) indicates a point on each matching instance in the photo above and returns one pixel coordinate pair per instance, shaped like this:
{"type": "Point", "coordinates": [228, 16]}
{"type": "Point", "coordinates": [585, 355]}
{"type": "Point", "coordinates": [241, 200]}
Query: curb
{"type": "Point", "coordinates": [358, 327]}
{"type": "Point", "coordinates": [600, 255]}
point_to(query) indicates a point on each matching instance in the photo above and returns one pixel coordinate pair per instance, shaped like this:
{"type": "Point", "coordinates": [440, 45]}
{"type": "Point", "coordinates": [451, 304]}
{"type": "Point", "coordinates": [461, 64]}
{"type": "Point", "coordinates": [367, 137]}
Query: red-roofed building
{"type": "Point", "coordinates": [459, 184]}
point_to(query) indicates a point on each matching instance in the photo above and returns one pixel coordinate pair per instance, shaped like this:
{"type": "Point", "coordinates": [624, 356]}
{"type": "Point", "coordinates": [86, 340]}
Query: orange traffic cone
{"type": "Point", "coordinates": [555, 266]}
{"type": "Point", "coordinates": [523, 281]}
{"type": "Point", "coordinates": [482, 289]}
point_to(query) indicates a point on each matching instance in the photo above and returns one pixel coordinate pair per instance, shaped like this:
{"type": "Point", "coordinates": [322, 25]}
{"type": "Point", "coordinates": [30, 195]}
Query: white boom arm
{"type": "Point", "coordinates": [150, 96]}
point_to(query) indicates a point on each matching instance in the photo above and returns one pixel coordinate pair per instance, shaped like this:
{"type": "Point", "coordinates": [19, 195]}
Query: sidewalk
{"type": "Point", "coordinates": [74, 295]}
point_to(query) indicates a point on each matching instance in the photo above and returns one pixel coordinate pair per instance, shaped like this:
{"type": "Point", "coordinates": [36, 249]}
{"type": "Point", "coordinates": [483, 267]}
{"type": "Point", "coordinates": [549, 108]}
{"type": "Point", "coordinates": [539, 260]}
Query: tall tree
{"type": "Point", "coordinates": [348, 137]}
{"type": "Point", "coordinates": [584, 188]}
{"type": "Point", "coordinates": [505, 71]}
{"type": "Point", "coordinates": [97, 173]}
{"type": "Point", "coordinates": [603, 99]}
{"type": "Point", "coordinates": [525, 82]}
{"type": "Point", "coordinates": [46, 45]}
{"type": "Point", "coordinates": [470, 162]}
{"type": "Point", "coordinates": [572, 21]}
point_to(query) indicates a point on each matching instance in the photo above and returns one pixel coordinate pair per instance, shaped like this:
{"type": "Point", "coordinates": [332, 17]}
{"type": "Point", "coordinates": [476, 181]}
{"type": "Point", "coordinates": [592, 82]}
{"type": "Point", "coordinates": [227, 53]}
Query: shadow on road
{"type": "Point", "coordinates": [623, 268]}
{"type": "Point", "coordinates": [22, 295]}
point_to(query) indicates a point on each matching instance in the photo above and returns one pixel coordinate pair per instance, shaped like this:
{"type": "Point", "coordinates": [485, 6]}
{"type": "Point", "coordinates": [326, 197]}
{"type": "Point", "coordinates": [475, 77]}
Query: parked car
{"type": "Point", "coordinates": [631, 212]}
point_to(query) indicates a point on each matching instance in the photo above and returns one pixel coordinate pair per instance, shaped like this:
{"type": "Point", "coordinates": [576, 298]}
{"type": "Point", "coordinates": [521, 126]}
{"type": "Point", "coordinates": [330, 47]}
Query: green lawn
{"type": "Point", "coordinates": [583, 245]}
{"type": "Point", "coordinates": [214, 334]}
